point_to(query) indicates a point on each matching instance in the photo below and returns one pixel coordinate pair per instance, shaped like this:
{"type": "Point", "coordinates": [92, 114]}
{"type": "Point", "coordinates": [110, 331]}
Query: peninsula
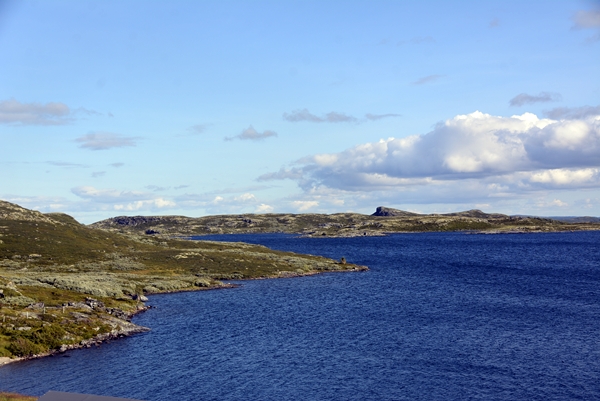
{"type": "Point", "coordinates": [65, 285]}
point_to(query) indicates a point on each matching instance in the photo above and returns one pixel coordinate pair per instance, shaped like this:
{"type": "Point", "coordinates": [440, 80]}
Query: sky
{"type": "Point", "coordinates": [196, 108]}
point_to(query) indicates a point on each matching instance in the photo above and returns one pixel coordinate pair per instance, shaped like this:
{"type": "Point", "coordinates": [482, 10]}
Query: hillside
{"type": "Point", "coordinates": [63, 284]}
{"type": "Point", "coordinates": [383, 221]}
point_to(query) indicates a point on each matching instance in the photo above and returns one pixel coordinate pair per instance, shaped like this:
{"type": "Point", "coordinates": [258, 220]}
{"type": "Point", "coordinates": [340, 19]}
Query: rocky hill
{"type": "Point", "coordinates": [384, 220]}
{"type": "Point", "coordinates": [63, 284]}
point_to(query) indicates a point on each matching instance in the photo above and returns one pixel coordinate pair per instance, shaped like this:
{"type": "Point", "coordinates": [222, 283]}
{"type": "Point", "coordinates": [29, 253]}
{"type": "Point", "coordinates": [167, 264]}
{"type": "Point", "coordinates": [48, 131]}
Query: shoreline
{"type": "Point", "coordinates": [132, 328]}
{"type": "Point", "coordinates": [129, 330]}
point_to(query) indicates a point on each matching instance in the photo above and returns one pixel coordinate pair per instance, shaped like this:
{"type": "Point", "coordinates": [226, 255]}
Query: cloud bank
{"type": "Point", "coordinates": [473, 155]}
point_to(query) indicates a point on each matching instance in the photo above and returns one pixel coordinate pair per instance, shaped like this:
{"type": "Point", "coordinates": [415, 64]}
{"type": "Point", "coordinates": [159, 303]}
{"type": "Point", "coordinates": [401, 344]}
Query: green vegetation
{"type": "Point", "coordinates": [63, 284]}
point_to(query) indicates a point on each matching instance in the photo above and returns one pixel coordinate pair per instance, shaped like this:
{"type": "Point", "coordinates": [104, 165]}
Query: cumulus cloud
{"type": "Point", "coordinates": [251, 134]}
{"type": "Point", "coordinates": [523, 98]}
{"type": "Point", "coordinates": [264, 208]}
{"type": "Point", "coordinates": [427, 79]}
{"type": "Point", "coordinates": [496, 154]}
{"type": "Point", "coordinates": [303, 206]}
{"type": "Point", "coordinates": [152, 204]}
{"type": "Point", "coordinates": [53, 113]}
{"type": "Point", "coordinates": [305, 115]}
{"type": "Point", "coordinates": [105, 140]}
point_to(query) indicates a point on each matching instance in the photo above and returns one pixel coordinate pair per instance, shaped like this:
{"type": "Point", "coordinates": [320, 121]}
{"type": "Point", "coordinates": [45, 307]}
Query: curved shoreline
{"type": "Point", "coordinates": [127, 329]}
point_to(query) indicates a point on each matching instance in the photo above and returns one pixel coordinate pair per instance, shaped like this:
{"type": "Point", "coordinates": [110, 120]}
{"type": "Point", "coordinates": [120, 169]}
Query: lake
{"type": "Point", "coordinates": [440, 316]}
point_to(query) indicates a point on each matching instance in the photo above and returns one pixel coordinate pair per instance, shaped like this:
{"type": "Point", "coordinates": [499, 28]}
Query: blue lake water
{"type": "Point", "coordinates": [440, 316]}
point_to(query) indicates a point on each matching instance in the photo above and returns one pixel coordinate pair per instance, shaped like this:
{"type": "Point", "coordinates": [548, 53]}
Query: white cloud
{"type": "Point", "coordinates": [555, 203]}
{"type": "Point", "coordinates": [263, 208]}
{"type": "Point", "coordinates": [101, 199]}
{"type": "Point", "coordinates": [566, 177]}
{"type": "Point", "coordinates": [468, 158]}
{"type": "Point", "coordinates": [523, 98]}
{"type": "Point", "coordinates": [303, 206]}
{"type": "Point", "coordinates": [245, 198]}
{"type": "Point", "coordinates": [251, 134]}
{"type": "Point", "coordinates": [105, 140]}
{"type": "Point", "coordinates": [150, 204]}
{"type": "Point", "coordinates": [53, 113]}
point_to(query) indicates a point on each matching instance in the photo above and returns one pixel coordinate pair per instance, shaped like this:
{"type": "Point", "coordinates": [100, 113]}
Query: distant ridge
{"type": "Point", "coordinates": [383, 211]}
{"type": "Point", "coordinates": [576, 219]}
{"type": "Point", "coordinates": [477, 214]}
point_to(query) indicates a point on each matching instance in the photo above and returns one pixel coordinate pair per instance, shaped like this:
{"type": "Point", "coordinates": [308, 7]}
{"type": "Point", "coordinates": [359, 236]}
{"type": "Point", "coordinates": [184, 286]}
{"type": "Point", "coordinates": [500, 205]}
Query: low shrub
{"type": "Point", "coordinates": [22, 346]}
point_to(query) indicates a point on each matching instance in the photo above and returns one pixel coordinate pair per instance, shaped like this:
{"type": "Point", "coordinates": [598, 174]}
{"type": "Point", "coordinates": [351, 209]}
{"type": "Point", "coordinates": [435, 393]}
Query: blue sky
{"type": "Point", "coordinates": [203, 107]}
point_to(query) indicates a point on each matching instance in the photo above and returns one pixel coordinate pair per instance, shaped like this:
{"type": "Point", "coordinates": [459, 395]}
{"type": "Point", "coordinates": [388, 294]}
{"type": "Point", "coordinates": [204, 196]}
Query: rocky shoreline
{"type": "Point", "coordinates": [123, 328]}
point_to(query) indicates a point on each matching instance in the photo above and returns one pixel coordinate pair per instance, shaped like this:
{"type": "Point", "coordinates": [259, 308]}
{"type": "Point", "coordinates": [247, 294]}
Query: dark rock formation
{"type": "Point", "coordinates": [389, 212]}
{"type": "Point", "coordinates": [135, 220]}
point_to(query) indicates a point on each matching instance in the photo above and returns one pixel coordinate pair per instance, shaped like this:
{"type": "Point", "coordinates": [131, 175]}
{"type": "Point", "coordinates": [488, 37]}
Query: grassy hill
{"type": "Point", "coordinates": [63, 284]}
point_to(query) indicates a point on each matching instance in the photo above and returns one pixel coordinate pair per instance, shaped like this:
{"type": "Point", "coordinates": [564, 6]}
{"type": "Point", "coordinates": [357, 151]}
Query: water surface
{"type": "Point", "coordinates": [439, 316]}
